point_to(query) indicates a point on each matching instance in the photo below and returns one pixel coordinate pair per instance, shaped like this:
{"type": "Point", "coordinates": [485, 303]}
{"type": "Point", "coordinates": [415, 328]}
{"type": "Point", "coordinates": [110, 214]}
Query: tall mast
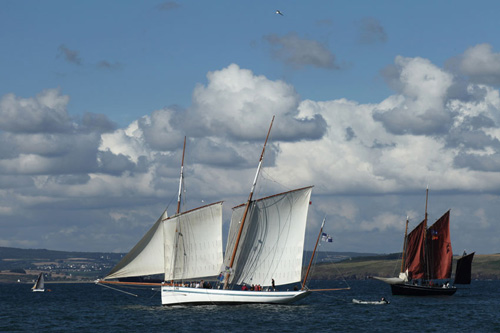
{"type": "Point", "coordinates": [177, 231]}
{"type": "Point", "coordinates": [404, 246]}
{"type": "Point", "coordinates": [314, 251]}
{"type": "Point", "coordinates": [181, 178]}
{"type": "Point", "coordinates": [426, 200]}
{"type": "Point", "coordinates": [226, 280]}
{"type": "Point", "coordinates": [426, 255]}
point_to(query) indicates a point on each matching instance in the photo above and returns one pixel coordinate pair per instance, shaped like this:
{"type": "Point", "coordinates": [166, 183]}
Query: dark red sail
{"type": "Point", "coordinates": [414, 252]}
{"type": "Point", "coordinates": [439, 251]}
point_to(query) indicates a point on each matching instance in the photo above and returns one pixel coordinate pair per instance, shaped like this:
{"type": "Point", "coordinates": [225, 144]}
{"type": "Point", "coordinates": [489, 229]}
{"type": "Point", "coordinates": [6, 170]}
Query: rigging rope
{"type": "Point", "coordinates": [171, 200]}
{"type": "Point", "coordinates": [265, 175]}
{"type": "Point", "coordinates": [313, 268]}
{"type": "Point", "coordinates": [153, 295]}
{"type": "Point", "coordinates": [116, 289]}
{"type": "Point", "coordinates": [343, 278]}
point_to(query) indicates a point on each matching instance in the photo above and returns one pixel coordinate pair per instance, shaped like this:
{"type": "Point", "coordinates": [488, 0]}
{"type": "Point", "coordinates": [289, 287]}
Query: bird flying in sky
{"type": "Point", "coordinates": [279, 13]}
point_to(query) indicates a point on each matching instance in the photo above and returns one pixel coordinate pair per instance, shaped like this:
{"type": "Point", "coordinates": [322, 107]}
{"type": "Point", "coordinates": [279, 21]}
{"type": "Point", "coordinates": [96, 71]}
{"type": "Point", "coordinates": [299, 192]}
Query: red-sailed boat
{"type": "Point", "coordinates": [427, 261]}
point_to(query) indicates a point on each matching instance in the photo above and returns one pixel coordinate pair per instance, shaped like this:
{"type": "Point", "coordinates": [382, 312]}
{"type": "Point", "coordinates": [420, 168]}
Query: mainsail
{"type": "Point", "coordinates": [196, 253]}
{"type": "Point", "coordinates": [414, 252]}
{"type": "Point", "coordinates": [198, 250]}
{"type": "Point", "coordinates": [272, 240]}
{"type": "Point", "coordinates": [439, 251]}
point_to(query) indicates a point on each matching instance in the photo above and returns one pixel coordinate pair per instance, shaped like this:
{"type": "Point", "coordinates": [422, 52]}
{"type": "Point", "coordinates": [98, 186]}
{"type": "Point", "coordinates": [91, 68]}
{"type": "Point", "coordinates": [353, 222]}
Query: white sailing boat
{"type": "Point", "coordinates": [265, 244]}
{"type": "Point", "coordinates": [39, 285]}
{"type": "Point", "coordinates": [269, 245]}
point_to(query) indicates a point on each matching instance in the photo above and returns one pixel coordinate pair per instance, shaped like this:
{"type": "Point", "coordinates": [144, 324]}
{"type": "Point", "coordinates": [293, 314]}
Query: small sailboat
{"type": "Point", "coordinates": [427, 260]}
{"type": "Point", "coordinates": [39, 285]}
{"type": "Point", "coordinates": [265, 242]}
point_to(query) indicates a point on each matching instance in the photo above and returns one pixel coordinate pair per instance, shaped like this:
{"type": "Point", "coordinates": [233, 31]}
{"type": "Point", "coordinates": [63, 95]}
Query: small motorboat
{"type": "Point", "coordinates": [382, 301]}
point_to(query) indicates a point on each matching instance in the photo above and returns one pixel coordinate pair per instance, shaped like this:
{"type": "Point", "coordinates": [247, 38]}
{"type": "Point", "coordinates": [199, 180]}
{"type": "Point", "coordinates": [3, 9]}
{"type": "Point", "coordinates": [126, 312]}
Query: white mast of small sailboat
{"type": "Point", "coordinates": [226, 279]}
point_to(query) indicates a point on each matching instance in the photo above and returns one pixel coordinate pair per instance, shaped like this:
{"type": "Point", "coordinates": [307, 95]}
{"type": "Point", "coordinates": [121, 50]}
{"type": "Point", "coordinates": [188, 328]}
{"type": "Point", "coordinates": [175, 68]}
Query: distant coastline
{"type": "Point", "coordinates": [23, 265]}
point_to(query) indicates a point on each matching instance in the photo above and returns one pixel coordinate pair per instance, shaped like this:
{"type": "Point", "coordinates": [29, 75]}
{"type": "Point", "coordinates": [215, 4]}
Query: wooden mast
{"type": "Point", "coordinates": [226, 279]}
{"type": "Point", "coordinates": [426, 200]}
{"type": "Point", "coordinates": [426, 255]}
{"type": "Point", "coordinates": [182, 177]}
{"type": "Point", "coordinates": [312, 257]}
{"type": "Point", "coordinates": [179, 197]}
{"type": "Point", "coordinates": [404, 246]}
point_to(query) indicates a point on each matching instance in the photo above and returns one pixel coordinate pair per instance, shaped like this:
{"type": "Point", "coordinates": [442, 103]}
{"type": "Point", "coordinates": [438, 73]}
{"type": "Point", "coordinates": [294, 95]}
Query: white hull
{"type": "Point", "coordinates": [183, 295]}
{"type": "Point", "coordinates": [39, 290]}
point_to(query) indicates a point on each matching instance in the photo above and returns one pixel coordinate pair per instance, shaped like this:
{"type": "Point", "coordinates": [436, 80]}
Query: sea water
{"type": "Point", "coordinates": [93, 308]}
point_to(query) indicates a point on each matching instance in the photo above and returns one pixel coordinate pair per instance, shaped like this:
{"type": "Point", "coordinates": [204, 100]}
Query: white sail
{"type": "Point", "coordinates": [39, 284]}
{"type": "Point", "coordinates": [198, 251]}
{"type": "Point", "coordinates": [146, 257]}
{"type": "Point", "coordinates": [272, 240]}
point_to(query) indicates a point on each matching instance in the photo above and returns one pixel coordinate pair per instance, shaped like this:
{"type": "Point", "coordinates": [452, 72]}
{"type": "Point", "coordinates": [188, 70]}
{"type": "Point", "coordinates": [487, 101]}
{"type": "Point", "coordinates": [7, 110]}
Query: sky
{"type": "Point", "coordinates": [375, 101]}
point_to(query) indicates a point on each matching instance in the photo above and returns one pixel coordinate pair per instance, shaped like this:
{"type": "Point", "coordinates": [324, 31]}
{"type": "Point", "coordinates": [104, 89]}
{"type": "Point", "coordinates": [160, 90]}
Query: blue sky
{"type": "Point", "coordinates": [374, 100]}
{"type": "Point", "coordinates": [160, 52]}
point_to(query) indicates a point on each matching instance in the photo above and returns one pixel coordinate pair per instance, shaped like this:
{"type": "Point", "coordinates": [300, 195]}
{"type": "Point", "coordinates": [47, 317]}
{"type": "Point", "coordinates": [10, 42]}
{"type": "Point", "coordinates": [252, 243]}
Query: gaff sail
{"type": "Point", "coordinates": [272, 240]}
{"type": "Point", "coordinates": [414, 252]}
{"type": "Point", "coordinates": [439, 251]}
{"type": "Point", "coordinates": [197, 252]}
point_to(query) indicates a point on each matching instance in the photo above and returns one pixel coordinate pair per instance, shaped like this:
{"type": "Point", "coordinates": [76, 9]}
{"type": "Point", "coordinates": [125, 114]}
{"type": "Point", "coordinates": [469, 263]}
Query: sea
{"type": "Point", "coordinates": [73, 307]}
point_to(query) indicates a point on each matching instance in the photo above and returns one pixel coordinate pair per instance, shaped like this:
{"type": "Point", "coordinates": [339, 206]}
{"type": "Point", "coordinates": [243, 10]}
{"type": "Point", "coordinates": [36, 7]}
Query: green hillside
{"type": "Point", "coordinates": [484, 267]}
